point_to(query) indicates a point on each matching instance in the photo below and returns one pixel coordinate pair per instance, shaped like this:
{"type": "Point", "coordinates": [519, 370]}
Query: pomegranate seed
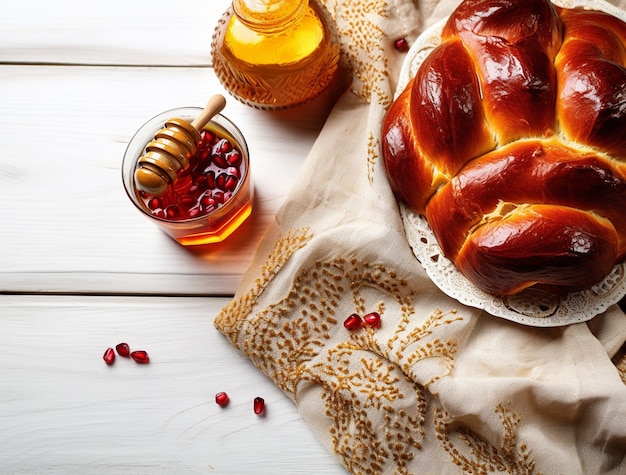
{"type": "Point", "coordinates": [259, 405]}
{"type": "Point", "coordinates": [234, 158]}
{"type": "Point", "coordinates": [222, 399]}
{"type": "Point", "coordinates": [353, 322]}
{"type": "Point", "coordinates": [140, 357]}
{"type": "Point", "coordinates": [231, 183]}
{"type": "Point", "coordinates": [208, 137]}
{"type": "Point", "coordinates": [195, 212]}
{"type": "Point", "coordinates": [220, 161]}
{"type": "Point", "coordinates": [123, 349]}
{"type": "Point", "coordinates": [401, 44]}
{"type": "Point", "coordinates": [218, 196]}
{"type": "Point", "coordinates": [109, 356]}
{"type": "Point", "coordinates": [204, 156]}
{"type": "Point", "coordinates": [222, 146]}
{"type": "Point", "coordinates": [208, 201]}
{"type": "Point", "coordinates": [172, 212]}
{"type": "Point", "coordinates": [155, 203]}
{"type": "Point", "coordinates": [234, 171]}
{"type": "Point", "coordinates": [372, 319]}
{"type": "Point", "coordinates": [210, 180]}
{"type": "Point", "coordinates": [220, 181]}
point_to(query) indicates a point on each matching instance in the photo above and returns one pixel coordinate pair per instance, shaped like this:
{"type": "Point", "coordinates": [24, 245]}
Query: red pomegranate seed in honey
{"type": "Point", "coordinates": [223, 146]}
{"type": "Point", "coordinates": [234, 158]}
{"type": "Point", "coordinates": [195, 211]}
{"type": "Point", "coordinates": [155, 203]}
{"type": "Point", "coordinates": [220, 181]}
{"type": "Point", "coordinates": [172, 212]}
{"type": "Point", "coordinates": [233, 171]}
{"type": "Point", "coordinates": [123, 349]}
{"type": "Point", "coordinates": [219, 197]}
{"type": "Point", "coordinates": [220, 161]}
{"type": "Point", "coordinates": [207, 137]}
{"type": "Point", "coordinates": [372, 319]}
{"type": "Point", "coordinates": [215, 167]}
{"type": "Point", "coordinates": [109, 356]}
{"type": "Point", "coordinates": [353, 322]}
{"type": "Point", "coordinates": [259, 405]}
{"type": "Point", "coordinates": [204, 155]}
{"type": "Point", "coordinates": [140, 356]}
{"type": "Point", "coordinates": [210, 180]}
{"type": "Point", "coordinates": [230, 183]}
{"type": "Point", "coordinates": [221, 399]}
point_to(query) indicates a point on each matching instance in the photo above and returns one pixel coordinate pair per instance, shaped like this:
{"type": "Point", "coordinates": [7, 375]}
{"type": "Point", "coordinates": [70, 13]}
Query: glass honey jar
{"type": "Point", "coordinates": [275, 54]}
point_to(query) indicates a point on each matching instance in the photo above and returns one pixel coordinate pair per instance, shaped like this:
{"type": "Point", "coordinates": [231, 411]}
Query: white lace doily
{"type": "Point", "coordinates": [530, 307]}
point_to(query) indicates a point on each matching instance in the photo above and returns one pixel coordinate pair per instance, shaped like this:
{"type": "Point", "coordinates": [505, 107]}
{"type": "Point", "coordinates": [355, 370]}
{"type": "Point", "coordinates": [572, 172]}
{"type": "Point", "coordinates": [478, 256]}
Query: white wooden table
{"type": "Point", "coordinates": [82, 270]}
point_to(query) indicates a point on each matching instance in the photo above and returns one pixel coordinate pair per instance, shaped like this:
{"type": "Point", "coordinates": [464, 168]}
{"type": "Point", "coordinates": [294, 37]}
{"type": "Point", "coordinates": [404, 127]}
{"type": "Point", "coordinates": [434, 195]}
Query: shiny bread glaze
{"type": "Point", "coordinates": [522, 105]}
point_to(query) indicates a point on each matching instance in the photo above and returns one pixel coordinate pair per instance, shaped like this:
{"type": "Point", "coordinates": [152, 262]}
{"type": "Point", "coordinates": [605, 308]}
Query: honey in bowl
{"type": "Point", "coordinates": [212, 197]}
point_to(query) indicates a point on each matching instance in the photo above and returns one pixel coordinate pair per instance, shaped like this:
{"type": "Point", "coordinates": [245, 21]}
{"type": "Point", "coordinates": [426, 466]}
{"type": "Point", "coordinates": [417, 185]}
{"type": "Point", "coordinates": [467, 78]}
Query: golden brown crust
{"type": "Point", "coordinates": [504, 256]}
{"type": "Point", "coordinates": [591, 73]}
{"type": "Point", "coordinates": [511, 140]}
{"type": "Point", "coordinates": [412, 177]}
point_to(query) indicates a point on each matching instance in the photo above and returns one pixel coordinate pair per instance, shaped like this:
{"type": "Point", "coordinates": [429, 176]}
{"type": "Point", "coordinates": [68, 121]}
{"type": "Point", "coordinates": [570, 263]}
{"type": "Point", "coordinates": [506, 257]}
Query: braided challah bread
{"type": "Point", "coordinates": [511, 141]}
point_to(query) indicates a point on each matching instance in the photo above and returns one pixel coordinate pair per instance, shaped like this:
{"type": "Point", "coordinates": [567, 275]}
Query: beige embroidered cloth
{"type": "Point", "coordinates": [440, 388]}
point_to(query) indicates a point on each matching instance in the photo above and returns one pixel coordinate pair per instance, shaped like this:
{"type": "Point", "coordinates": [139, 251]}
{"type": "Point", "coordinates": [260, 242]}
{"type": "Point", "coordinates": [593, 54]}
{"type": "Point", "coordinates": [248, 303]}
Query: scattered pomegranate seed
{"type": "Point", "coordinates": [109, 356]}
{"type": "Point", "coordinates": [401, 44]}
{"type": "Point", "coordinates": [123, 349]}
{"type": "Point", "coordinates": [140, 357]}
{"type": "Point", "coordinates": [353, 322]}
{"type": "Point", "coordinates": [222, 399]}
{"type": "Point", "coordinates": [372, 319]}
{"type": "Point", "coordinates": [259, 405]}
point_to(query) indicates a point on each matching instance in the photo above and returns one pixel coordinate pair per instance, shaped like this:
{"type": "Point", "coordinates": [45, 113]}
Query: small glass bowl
{"type": "Point", "coordinates": [207, 228]}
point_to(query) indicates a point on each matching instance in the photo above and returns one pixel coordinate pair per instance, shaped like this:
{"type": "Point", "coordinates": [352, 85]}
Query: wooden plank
{"type": "Point", "coordinates": [63, 410]}
{"type": "Point", "coordinates": [67, 225]}
{"type": "Point", "coordinates": [113, 32]}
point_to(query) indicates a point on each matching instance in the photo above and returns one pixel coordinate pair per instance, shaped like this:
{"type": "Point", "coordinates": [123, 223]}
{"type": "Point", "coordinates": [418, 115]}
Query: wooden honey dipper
{"type": "Point", "coordinates": [169, 151]}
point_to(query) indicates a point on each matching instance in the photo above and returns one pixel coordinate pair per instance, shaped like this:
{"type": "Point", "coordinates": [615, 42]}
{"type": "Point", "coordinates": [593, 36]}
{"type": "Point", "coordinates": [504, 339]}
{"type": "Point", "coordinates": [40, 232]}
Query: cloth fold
{"type": "Point", "coordinates": [439, 388]}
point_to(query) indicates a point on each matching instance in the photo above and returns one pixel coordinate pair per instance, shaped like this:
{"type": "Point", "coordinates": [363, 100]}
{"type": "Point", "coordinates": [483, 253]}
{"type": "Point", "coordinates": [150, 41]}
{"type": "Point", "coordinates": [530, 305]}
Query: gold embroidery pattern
{"type": "Point", "coordinates": [232, 317]}
{"type": "Point", "coordinates": [369, 431]}
{"type": "Point", "coordinates": [481, 457]}
{"type": "Point", "coordinates": [362, 42]}
{"type": "Point", "coordinates": [372, 156]}
{"type": "Point", "coordinates": [363, 377]}
{"type": "Point", "coordinates": [374, 385]}
{"type": "Point", "coordinates": [297, 328]}
{"type": "Point", "coordinates": [366, 380]}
